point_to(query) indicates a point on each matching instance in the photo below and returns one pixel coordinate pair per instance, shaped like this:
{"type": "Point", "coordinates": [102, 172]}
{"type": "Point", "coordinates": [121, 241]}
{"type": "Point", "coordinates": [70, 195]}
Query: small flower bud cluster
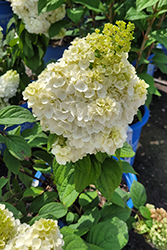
{"type": "Point", "coordinates": [8, 226]}
{"type": "Point", "coordinates": [42, 235]}
{"type": "Point", "coordinates": [9, 83]}
{"type": "Point", "coordinates": [156, 233]}
{"type": "Point", "coordinates": [90, 95]}
{"type": "Point", "coordinates": [27, 10]}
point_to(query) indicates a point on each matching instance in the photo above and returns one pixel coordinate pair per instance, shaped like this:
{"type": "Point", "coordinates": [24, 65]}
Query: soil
{"type": "Point", "coordinates": [151, 159]}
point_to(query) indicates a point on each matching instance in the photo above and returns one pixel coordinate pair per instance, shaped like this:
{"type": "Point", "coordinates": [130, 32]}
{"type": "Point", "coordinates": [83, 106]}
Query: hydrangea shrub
{"type": "Point", "coordinates": [8, 226]}
{"type": "Point", "coordinates": [90, 95]}
{"type": "Point", "coordinates": [34, 23]}
{"type": "Point", "coordinates": [9, 82]}
{"type": "Point", "coordinates": [154, 230]}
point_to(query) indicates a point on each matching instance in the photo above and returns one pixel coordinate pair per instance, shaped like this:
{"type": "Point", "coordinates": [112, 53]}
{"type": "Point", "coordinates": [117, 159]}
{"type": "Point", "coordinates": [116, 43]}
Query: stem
{"type": "Point", "coordinates": [14, 195]}
{"type": "Point", "coordinates": [110, 12]}
{"type": "Point", "coordinates": [30, 175]}
{"type": "Point", "coordinates": [150, 23]}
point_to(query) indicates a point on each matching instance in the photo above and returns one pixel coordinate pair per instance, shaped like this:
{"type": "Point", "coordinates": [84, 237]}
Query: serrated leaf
{"type": "Point", "coordinates": [87, 197]}
{"type": "Point", "coordinates": [110, 211]}
{"type": "Point", "coordinates": [132, 14]}
{"type": "Point", "coordinates": [33, 191]}
{"type": "Point", "coordinates": [110, 177]}
{"type": "Point", "coordinates": [87, 171]}
{"type": "Point", "coordinates": [51, 139]}
{"type": "Point", "coordinates": [54, 208]}
{"type": "Point", "coordinates": [127, 168]}
{"type": "Point", "coordinates": [143, 4]}
{"type": "Point", "coordinates": [112, 234]}
{"type": "Point", "coordinates": [43, 155]}
{"type": "Point", "coordinates": [145, 212]}
{"type": "Point", "coordinates": [92, 5]}
{"type": "Point", "coordinates": [27, 180]}
{"type": "Point", "coordinates": [43, 168]}
{"type": "Point", "coordinates": [64, 179]}
{"type": "Point", "coordinates": [13, 115]}
{"type": "Point", "coordinates": [75, 14]}
{"type": "Point", "coordinates": [11, 162]}
{"type": "Point", "coordinates": [18, 146]}
{"type": "Point", "coordinates": [41, 200]}
{"type": "Point", "coordinates": [127, 151]}
{"type": "Point", "coordinates": [87, 220]}
{"type": "Point", "coordinates": [138, 194]}
{"type": "Point", "coordinates": [48, 5]}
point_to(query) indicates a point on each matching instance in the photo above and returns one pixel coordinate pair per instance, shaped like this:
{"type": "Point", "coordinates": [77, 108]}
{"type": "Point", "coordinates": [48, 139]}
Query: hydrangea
{"type": "Point", "coordinates": [9, 83]}
{"type": "Point", "coordinates": [90, 95]}
{"type": "Point", "coordinates": [156, 232]}
{"type": "Point", "coordinates": [8, 226]}
{"type": "Point", "coordinates": [27, 10]}
{"type": "Point", "coordinates": [43, 235]}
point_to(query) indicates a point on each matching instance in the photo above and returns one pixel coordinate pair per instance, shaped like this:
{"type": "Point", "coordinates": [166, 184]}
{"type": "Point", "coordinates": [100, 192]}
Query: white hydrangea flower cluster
{"type": "Point", "coordinates": [8, 226]}
{"type": "Point", "coordinates": [42, 235]}
{"type": "Point", "coordinates": [90, 95]}
{"type": "Point", "coordinates": [27, 10]}
{"type": "Point", "coordinates": [9, 83]}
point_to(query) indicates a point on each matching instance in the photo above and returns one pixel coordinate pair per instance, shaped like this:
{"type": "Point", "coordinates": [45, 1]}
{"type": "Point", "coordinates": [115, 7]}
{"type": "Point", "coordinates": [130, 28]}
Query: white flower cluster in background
{"type": "Point", "coordinates": [27, 10]}
{"type": "Point", "coordinates": [90, 95]}
{"type": "Point", "coordinates": [8, 226]}
{"type": "Point", "coordinates": [42, 235]}
{"type": "Point", "coordinates": [9, 83]}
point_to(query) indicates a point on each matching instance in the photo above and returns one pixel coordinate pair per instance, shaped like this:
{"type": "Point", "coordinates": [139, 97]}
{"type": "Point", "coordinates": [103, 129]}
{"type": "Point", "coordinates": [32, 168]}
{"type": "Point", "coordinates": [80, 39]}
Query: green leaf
{"type": "Point", "coordinates": [13, 115]}
{"type": "Point", "coordinates": [41, 200]}
{"type": "Point", "coordinates": [75, 14]}
{"type": "Point", "coordinates": [160, 36]}
{"type": "Point", "coordinates": [109, 211]}
{"type": "Point", "coordinates": [119, 197]}
{"type": "Point", "coordinates": [127, 151]}
{"type": "Point", "coordinates": [162, 67]}
{"type": "Point", "coordinates": [101, 156]}
{"type": "Point", "coordinates": [51, 139]}
{"type": "Point", "coordinates": [87, 197]}
{"type": "Point", "coordinates": [92, 5]}
{"type": "Point", "coordinates": [33, 191]}
{"type": "Point", "coordinates": [87, 220]}
{"type": "Point", "coordinates": [54, 208]}
{"type": "Point", "coordinates": [145, 212]}
{"type": "Point", "coordinates": [15, 131]}
{"type": "Point", "coordinates": [64, 179]}
{"type": "Point", "coordinates": [27, 180]}
{"type": "Point", "coordinates": [55, 28]}
{"type": "Point", "coordinates": [149, 223]}
{"type": "Point", "coordinates": [43, 168]}
{"type": "Point", "coordinates": [18, 146]}
{"type": "Point", "coordinates": [110, 177]}
{"type": "Point", "coordinates": [162, 3]}
{"type": "Point", "coordinates": [21, 207]}
{"type": "Point", "coordinates": [11, 162]}
{"type": "Point", "coordinates": [112, 234]}
{"type": "Point", "coordinates": [143, 4]}
{"type": "Point", "coordinates": [132, 14]}
{"type": "Point", "coordinates": [69, 218]}
{"type": "Point", "coordinates": [138, 194]}
{"type": "Point", "coordinates": [87, 171]}
{"type": "Point", "coordinates": [43, 155]}
{"type": "Point", "coordinates": [160, 58]}
{"type": "Point", "coordinates": [127, 168]}
{"type": "Point", "coordinates": [3, 182]}
{"type": "Point", "coordinates": [2, 138]}
{"type": "Point", "coordinates": [48, 5]}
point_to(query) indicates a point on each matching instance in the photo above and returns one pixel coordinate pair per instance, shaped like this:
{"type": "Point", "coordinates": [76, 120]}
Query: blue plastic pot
{"type": "Point", "coordinates": [54, 53]}
{"type": "Point", "coordinates": [6, 14]}
{"type": "Point", "coordinates": [24, 126]}
{"type": "Point", "coordinates": [128, 178]}
{"type": "Point", "coordinates": [136, 131]}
